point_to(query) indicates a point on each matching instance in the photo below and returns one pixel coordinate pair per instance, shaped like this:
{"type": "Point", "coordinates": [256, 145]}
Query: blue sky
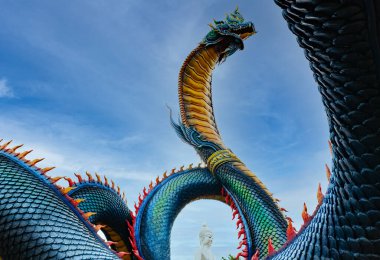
{"type": "Point", "coordinates": [85, 83]}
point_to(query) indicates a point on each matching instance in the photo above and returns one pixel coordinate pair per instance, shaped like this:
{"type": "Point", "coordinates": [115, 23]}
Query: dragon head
{"type": "Point", "coordinates": [228, 35]}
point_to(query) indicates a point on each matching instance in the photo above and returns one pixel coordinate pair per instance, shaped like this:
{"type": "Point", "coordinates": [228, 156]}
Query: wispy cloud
{"type": "Point", "coordinates": [5, 89]}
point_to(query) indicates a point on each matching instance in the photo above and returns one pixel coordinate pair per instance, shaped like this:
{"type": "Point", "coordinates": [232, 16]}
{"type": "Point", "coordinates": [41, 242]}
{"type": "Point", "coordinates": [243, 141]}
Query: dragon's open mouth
{"type": "Point", "coordinates": [245, 31]}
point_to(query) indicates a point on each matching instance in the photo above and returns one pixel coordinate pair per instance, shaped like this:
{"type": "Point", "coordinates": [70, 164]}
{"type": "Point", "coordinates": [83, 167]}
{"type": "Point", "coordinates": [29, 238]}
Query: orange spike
{"type": "Point", "coordinates": [35, 161]}
{"type": "Point", "coordinates": [77, 201]}
{"type": "Point", "coordinates": [190, 166]}
{"type": "Point", "coordinates": [79, 177]}
{"type": "Point", "coordinates": [328, 172]}
{"type": "Point", "coordinates": [13, 150]}
{"type": "Point", "coordinates": [319, 194]}
{"type": "Point", "coordinates": [98, 227]}
{"type": "Point", "coordinates": [123, 195]}
{"type": "Point", "coordinates": [55, 179]}
{"type": "Point", "coordinates": [157, 180]}
{"type": "Point", "coordinates": [67, 189]}
{"type": "Point", "coordinates": [182, 167]}
{"type": "Point", "coordinates": [98, 177]}
{"type": "Point", "coordinates": [290, 233]}
{"type": "Point", "coordinates": [4, 146]}
{"type": "Point", "coordinates": [305, 215]}
{"type": "Point", "coordinates": [256, 255]}
{"type": "Point", "coordinates": [165, 175]}
{"type": "Point", "coordinates": [330, 146]}
{"type": "Point", "coordinates": [105, 180]}
{"type": "Point", "coordinates": [118, 190]}
{"type": "Point", "coordinates": [89, 176]}
{"type": "Point", "coordinates": [151, 185]}
{"type": "Point", "coordinates": [113, 184]}
{"type": "Point", "coordinates": [271, 249]}
{"type": "Point", "coordinates": [88, 214]}
{"type": "Point", "coordinates": [45, 170]}
{"type": "Point", "coordinates": [173, 171]}
{"type": "Point", "coordinates": [23, 154]}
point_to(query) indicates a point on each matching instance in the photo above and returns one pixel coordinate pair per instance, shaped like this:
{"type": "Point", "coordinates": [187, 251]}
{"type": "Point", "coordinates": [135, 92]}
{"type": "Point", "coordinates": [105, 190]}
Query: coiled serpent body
{"type": "Point", "coordinates": [41, 220]}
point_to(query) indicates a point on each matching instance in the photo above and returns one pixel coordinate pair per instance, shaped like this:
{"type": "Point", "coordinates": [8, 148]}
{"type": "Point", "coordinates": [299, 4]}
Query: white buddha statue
{"type": "Point", "coordinates": [205, 239]}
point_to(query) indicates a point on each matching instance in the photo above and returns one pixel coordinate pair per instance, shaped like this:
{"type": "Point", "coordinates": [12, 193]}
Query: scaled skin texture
{"type": "Point", "coordinates": [41, 220]}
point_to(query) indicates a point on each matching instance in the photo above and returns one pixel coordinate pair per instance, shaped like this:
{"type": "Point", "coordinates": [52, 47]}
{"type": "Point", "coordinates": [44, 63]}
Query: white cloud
{"type": "Point", "coordinates": [5, 89]}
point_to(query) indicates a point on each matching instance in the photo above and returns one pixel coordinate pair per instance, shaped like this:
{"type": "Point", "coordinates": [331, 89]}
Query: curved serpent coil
{"type": "Point", "coordinates": [42, 220]}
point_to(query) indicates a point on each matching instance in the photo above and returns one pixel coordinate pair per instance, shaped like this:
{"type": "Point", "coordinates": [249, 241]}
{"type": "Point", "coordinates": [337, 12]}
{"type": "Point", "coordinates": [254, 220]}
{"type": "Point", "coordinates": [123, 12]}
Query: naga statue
{"type": "Point", "coordinates": [40, 219]}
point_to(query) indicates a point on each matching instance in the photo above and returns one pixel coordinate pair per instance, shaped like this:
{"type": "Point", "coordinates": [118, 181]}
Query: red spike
{"type": "Point", "coordinates": [256, 255]}
{"type": "Point", "coordinates": [90, 179]}
{"type": "Point", "coordinates": [70, 181]}
{"type": "Point", "coordinates": [289, 219]}
{"type": "Point", "coordinates": [111, 243]}
{"type": "Point", "coordinates": [140, 198]}
{"type": "Point", "coordinates": [222, 191]}
{"type": "Point", "coordinates": [242, 243]}
{"type": "Point", "coordinates": [290, 233]}
{"type": "Point", "coordinates": [242, 254]}
{"type": "Point", "coordinates": [133, 216]}
{"type": "Point", "coordinates": [136, 208]}
{"type": "Point", "coordinates": [145, 192]}
{"type": "Point", "coordinates": [79, 177]}
{"type": "Point", "coordinates": [305, 215]}
{"type": "Point", "coordinates": [283, 209]}
{"type": "Point", "coordinates": [150, 185]}
{"type": "Point", "coordinates": [122, 254]}
{"type": "Point", "coordinates": [241, 232]}
{"type": "Point", "coordinates": [234, 214]}
{"type": "Point", "coordinates": [271, 249]}
{"type": "Point", "coordinates": [239, 222]}
{"type": "Point", "coordinates": [130, 228]}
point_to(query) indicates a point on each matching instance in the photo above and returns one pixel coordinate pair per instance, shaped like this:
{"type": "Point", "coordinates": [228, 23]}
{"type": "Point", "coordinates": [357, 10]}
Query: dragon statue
{"type": "Point", "coordinates": [40, 219]}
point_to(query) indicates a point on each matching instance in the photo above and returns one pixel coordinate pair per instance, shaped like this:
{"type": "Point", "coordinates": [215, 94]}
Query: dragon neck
{"type": "Point", "coordinates": [194, 92]}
